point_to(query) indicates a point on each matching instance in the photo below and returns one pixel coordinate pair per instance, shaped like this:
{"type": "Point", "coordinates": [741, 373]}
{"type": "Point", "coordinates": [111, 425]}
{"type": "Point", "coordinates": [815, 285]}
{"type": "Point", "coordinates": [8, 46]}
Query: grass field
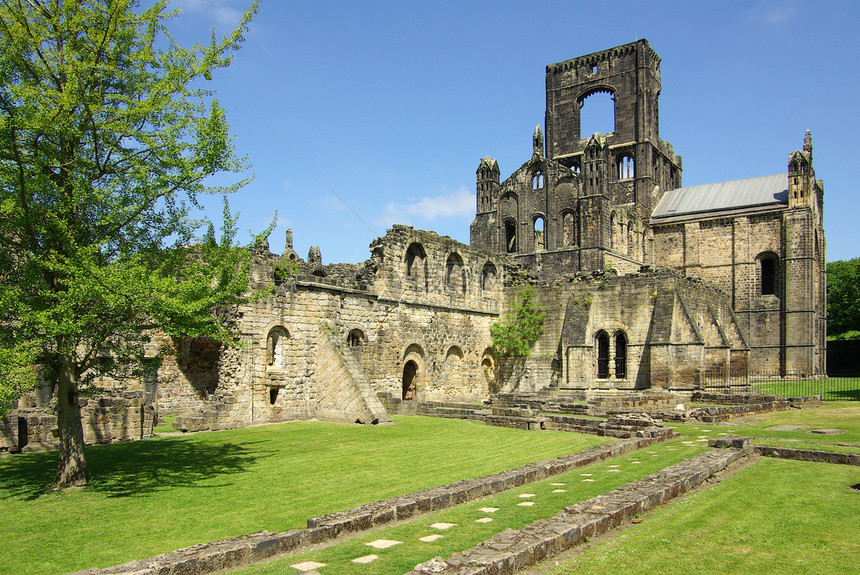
{"type": "Point", "coordinates": [548, 500]}
{"type": "Point", "coordinates": [154, 496]}
{"type": "Point", "coordinates": [150, 497]}
{"type": "Point", "coordinates": [844, 415]}
{"type": "Point", "coordinates": [786, 517]}
{"type": "Point", "coordinates": [831, 388]}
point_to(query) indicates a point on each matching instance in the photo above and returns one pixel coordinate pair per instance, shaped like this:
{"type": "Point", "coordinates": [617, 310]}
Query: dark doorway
{"type": "Point", "coordinates": [410, 370]}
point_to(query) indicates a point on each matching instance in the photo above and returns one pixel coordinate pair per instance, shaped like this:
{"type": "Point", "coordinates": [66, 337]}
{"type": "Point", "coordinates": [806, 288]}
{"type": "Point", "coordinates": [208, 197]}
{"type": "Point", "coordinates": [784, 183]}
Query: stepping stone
{"type": "Point", "coordinates": [384, 543]}
{"type": "Point", "coordinates": [788, 427]}
{"type": "Point", "coordinates": [526, 495]}
{"type": "Point", "coordinates": [616, 465]}
{"type": "Point", "coordinates": [706, 431]}
{"type": "Point", "coordinates": [526, 503]}
{"type": "Point", "coordinates": [655, 455]}
{"type": "Point", "coordinates": [366, 559]}
{"type": "Point", "coordinates": [559, 490]}
{"type": "Point", "coordinates": [635, 462]}
{"type": "Point", "coordinates": [429, 538]}
{"type": "Point", "coordinates": [556, 484]}
{"type": "Point", "coordinates": [586, 474]}
{"type": "Point", "coordinates": [484, 520]}
{"type": "Point", "coordinates": [613, 471]}
{"type": "Point", "coordinates": [488, 509]}
{"type": "Point", "coordinates": [308, 565]}
{"type": "Point", "coordinates": [650, 452]}
{"type": "Point", "coordinates": [443, 525]}
{"type": "Point", "coordinates": [702, 436]}
{"type": "Point", "coordinates": [827, 431]}
{"type": "Point", "coordinates": [588, 480]}
{"type": "Point", "coordinates": [723, 433]}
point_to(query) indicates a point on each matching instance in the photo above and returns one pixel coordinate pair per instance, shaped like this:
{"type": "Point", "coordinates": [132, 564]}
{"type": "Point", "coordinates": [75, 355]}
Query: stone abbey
{"type": "Point", "coordinates": [646, 284]}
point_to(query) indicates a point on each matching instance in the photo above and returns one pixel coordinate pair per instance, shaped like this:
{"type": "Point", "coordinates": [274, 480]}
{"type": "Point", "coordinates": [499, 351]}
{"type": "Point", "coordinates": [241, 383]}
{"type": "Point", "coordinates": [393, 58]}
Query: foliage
{"type": "Point", "coordinates": [106, 140]}
{"type": "Point", "coordinates": [843, 296]}
{"type": "Point", "coordinates": [518, 331]}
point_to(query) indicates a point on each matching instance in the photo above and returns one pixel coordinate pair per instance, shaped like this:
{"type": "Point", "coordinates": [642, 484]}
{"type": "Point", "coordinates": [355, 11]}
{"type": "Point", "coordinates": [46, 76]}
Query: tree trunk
{"type": "Point", "coordinates": [71, 464]}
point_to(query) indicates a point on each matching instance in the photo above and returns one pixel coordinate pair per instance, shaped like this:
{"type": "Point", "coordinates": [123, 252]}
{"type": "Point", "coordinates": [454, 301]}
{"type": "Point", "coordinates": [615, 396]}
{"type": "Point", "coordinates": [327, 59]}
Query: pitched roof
{"type": "Point", "coordinates": [761, 191]}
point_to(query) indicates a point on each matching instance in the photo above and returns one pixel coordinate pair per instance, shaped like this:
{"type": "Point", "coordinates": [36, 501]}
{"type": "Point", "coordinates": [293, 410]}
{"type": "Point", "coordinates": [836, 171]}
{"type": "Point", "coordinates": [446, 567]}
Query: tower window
{"type": "Point", "coordinates": [538, 181]}
{"type": "Point", "coordinates": [768, 269]}
{"type": "Point", "coordinates": [510, 236]}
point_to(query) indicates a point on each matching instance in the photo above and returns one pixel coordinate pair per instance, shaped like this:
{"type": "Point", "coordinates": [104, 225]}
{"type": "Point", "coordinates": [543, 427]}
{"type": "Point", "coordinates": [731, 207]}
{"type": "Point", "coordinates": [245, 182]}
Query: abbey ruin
{"type": "Point", "coordinates": [647, 285]}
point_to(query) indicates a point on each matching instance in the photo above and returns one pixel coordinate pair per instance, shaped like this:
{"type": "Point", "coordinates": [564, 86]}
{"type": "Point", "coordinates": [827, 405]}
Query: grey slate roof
{"type": "Point", "coordinates": [761, 191]}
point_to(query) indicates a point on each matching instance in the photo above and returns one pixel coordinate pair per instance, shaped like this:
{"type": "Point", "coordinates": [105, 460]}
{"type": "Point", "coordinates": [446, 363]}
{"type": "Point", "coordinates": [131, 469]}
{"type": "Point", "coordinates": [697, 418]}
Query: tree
{"type": "Point", "coordinates": [518, 331]}
{"type": "Point", "coordinates": [106, 140]}
{"type": "Point", "coordinates": [843, 296]}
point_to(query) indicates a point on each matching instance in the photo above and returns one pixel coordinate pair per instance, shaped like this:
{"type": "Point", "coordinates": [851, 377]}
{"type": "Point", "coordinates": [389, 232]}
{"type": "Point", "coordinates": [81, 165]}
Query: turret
{"type": "Point", "coordinates": [487, 177]}
{"type": "Point", "coordinates": [537, 142]}
{"type": "Point", "coordinates": [801, 175]}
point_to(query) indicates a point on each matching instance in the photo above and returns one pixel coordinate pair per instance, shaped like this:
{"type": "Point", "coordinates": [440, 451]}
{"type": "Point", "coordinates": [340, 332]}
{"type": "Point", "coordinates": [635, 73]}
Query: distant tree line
{"type": "Point", "coordinates": [843, 299]}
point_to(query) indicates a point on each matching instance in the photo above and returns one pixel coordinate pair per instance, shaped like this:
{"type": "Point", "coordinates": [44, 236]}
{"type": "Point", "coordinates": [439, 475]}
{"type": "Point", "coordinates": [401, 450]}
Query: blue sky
{"type": "Point", "coordinates": [360, 114]}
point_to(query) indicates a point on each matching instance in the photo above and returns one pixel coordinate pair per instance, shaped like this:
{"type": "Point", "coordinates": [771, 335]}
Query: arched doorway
{"type": "Point", "coordinates": [410, 370]}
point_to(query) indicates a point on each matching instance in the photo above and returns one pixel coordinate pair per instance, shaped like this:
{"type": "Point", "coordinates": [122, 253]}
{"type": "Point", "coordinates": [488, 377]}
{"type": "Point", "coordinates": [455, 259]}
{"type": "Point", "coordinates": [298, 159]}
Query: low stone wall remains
{"type": "Point", "coordinates": [513, 550]}
{"type": "Point", "coordinates": [808, 455]}
{"type": "Point", "coordinates": [120, 417]}
{"type": "Point", "coordinates": [236, 552]}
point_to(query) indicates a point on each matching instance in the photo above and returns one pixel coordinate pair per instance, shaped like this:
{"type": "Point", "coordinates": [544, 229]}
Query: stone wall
{"type": "Point", "coordinates": [106, 419]}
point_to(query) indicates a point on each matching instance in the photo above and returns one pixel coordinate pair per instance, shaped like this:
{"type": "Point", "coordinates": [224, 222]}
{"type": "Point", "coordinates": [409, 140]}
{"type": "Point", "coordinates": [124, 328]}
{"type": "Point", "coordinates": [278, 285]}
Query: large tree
{"type": "Point", "coordinates": [843, 296]}
{"type": "Point", "coordinates": [107, 137]}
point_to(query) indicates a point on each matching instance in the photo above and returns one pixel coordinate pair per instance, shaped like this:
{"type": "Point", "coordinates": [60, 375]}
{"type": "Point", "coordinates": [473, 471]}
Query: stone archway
{"type": "Point", "coordinates": [409, 384]}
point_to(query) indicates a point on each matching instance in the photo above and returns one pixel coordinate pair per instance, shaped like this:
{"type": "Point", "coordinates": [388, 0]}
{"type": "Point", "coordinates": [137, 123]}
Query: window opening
{"type": "Point", "coordinates": [355, 338]}
{"type": "Point", "coordinates": [602, 355]}
{"type": "Point", "coordinates": [540, 235]}
{"type": "Point", "coordinates": [456, 274]}
{"type": "Point", "coordinates": [768, 275]}
{"type": "Point", "coordinates": [273, 395]}
{"type": "Point", "coordinates": [620, 355]}
{"type": "Point", "coordinates": [538, 180]}
{"type": "Point", "coordinates": [510, 236]}
{"type": "Point", "coordinates": [597, 114]}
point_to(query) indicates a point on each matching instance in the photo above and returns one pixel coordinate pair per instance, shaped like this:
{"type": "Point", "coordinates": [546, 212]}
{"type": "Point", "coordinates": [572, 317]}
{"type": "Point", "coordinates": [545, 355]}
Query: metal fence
{"type": "Point", "coordinates": [840, 387]}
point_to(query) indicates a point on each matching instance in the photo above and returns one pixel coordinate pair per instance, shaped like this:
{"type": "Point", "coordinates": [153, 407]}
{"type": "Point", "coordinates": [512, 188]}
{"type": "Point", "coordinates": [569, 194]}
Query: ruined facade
{"type": "Point", "coordinates": [646, 284]}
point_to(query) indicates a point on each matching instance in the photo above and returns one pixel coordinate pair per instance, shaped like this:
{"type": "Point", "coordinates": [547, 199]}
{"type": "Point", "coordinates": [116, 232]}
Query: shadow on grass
{"type": "Point", "coordinates": [846, 394]}
{"type": "Point", "coordinates": [134, 468]}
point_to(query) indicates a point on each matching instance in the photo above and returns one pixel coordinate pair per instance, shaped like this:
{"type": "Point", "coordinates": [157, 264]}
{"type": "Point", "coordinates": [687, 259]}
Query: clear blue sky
{"type": "Point", "coordinates": [360, 114]}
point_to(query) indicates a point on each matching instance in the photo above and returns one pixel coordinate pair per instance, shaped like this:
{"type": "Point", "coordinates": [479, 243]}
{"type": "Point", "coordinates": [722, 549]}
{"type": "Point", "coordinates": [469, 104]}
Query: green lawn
{"type": "Point", "coordinates": [832, 388]}
{"type": "Point", "coordinates": [579, 485]}
{"type": "Point", "coordinates": [843, 415]}
{"type": "Point", "coordinates": [801, 519]}
{"type": "Point", "coordinates": [154, 496]}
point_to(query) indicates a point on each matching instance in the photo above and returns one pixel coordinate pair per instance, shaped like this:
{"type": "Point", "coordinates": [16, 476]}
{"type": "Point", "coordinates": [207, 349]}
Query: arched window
{"type": "Point", "coordinates": [510, 236]}
{"type": "Point", "coordinates": [626, 168]}
{"type": "Point", "coordinates": [768, 273]}
{"type": "Point", "coordinates": [416, 264]}
{"type": "Point", "coordinates": [538, 180]}
{"type": "Point", "coordinates": [614, 224]}
{"type": "Point", "coordinates": [540, 234]}
{"type": "Point", "coordinates": [602, 355]}
{"type": "Point", "coordinates": [488, 277]}
{"type": "Point", "coordinates": [356, 338]}
{"type": "Point", "coordinates": [597, 113]}
{"type": "Point", "coordinates": [568, 224]}
{"type": "Point", "coordinates": [455, 276]}
{"type": "Point", "coordinates": [620, 355]}
{"type": "Point", "coordinates": [276, 343]}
